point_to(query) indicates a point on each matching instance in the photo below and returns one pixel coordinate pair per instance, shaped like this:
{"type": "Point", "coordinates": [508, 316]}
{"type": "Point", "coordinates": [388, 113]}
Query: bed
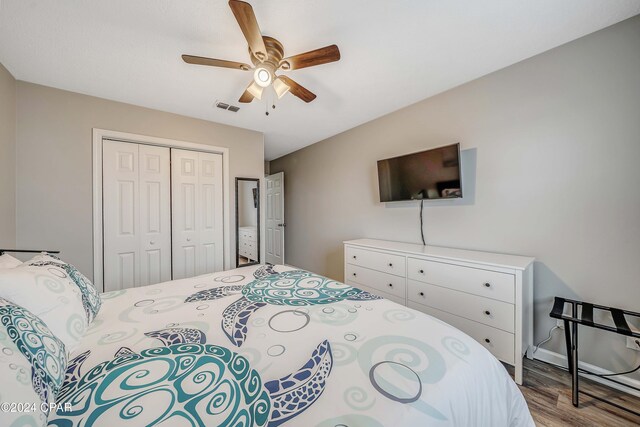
{"type": "Point", "coordinates": [274, 345]}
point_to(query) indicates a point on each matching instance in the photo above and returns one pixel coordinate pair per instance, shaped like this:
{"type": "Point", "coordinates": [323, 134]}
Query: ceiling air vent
{"type": "Point", "coordinates": [227, 107]}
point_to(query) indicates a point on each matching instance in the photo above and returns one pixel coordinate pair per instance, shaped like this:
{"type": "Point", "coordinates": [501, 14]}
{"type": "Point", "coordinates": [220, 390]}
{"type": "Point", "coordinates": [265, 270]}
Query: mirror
{"type": "Point", "coordinates": [247, 221]}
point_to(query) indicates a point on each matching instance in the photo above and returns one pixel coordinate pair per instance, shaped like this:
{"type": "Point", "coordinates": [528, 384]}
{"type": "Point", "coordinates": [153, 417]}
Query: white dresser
{"type": "Point", "coordinates": [248, 243]}
{"type": "Point", "coordinates": [486, 295]}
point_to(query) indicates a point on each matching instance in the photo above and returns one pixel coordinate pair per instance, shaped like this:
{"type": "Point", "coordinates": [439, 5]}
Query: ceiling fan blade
{"type": "Point", "coordinates": [246, 97]}
{"type": "Point", "coordinates": [200, 60]}
{"type": "Point", "coordinates": [249, 26]}
{"type": "Point", "coordinates": [320, 56]}
{"type": "Point", "coordinates": [297, 90]}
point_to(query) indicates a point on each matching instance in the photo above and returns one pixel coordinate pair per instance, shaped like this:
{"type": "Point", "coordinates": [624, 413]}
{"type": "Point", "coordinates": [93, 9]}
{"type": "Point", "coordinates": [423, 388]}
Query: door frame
{"type": "Point", "coordinates": [101, 134]}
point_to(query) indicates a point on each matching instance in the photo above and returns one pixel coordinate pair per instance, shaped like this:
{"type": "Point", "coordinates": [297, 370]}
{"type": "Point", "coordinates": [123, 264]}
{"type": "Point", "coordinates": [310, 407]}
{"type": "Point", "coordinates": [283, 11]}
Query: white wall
{"type": "Point", "coordinates": [54, 176]}
{"type": "Point", "coordinates": [555, 144]}
{"type": "Point", "coordinates": [7, 159]}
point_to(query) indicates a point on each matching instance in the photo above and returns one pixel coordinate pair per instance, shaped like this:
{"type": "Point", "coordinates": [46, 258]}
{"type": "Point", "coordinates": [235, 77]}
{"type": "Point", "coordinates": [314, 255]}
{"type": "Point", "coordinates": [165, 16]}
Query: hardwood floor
{"type": "Point", "coordinates": [547, 390]}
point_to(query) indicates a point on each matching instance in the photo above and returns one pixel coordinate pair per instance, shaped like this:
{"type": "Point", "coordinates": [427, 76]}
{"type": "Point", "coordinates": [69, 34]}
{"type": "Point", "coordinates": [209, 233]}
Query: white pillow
{"type": "Point", "coordinates": [7, 261]}
{"type": "Point", "coordinates": [48, 293]}
{"type": "Point", "coordinates": [91, 300]}
{"type": "Point", "coordinates": [32, 366]}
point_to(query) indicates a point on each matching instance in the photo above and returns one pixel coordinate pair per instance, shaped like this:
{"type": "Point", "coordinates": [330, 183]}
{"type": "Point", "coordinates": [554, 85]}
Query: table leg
{"type": "Point", "coordinates": [567, 337]}
{"type": "Point", "coordinates": [574, 363]}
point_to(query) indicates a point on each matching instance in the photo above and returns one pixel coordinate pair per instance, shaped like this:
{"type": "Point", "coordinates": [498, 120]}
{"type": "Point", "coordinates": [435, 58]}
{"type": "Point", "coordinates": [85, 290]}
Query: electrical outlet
{"type": "Point", "coordinates": [633, 343]}
{"type": "Point", "coordinates": [560, 323]}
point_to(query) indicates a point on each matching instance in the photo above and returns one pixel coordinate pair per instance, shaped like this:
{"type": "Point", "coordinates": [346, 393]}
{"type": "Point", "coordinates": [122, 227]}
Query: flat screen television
{"type": "Point", "coordinates": [430, 174]}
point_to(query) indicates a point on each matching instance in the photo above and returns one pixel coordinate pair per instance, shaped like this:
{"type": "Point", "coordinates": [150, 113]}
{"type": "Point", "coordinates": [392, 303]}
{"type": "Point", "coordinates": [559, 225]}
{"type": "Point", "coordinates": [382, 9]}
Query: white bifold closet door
{"type": "Point", "coordinates": [136, 215]}
{"type": "Point", "coordinates": [197, 206]}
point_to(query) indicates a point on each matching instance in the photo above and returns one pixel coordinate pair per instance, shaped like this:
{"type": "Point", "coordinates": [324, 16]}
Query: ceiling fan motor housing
{"type": "Point", "coordinates": [275, 53]}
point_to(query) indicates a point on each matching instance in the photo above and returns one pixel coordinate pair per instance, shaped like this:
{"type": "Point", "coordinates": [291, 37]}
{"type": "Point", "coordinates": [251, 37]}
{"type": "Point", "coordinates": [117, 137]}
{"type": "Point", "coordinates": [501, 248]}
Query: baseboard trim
{"type": "Point", "coordinates": [561, 361]}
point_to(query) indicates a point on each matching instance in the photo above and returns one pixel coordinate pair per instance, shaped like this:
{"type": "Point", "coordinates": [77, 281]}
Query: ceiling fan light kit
{"type": "Point", "coordinates": [267, 56]}
{"type": "Point", "coordinates": [280, 87]}
{"type": "Point", "coordinates": [255, 90]}
{"type": "Point", "coordinates": [262, 76]}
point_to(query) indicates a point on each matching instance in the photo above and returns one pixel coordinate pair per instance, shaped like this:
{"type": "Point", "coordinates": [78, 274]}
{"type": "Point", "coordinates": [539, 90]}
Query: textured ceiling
{"type": "Point", "coordinates": [394, 53]}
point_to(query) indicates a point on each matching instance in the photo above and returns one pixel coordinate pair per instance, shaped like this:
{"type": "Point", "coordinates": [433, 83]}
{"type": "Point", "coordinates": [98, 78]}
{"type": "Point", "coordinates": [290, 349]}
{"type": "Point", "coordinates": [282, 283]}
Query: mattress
{"type": "Point", "coordinates": [275, 345]}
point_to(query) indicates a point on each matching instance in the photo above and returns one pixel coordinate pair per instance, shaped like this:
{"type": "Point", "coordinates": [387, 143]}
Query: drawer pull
{"type": "Point", "coordinates": [487, 285]}
{"type": "Point", "coordinates": [487, 340]}
{"type": "Point", "coordinates": [354, 274]}
{"type": "Point", "coordinates": [390, 264]}
{"type": "Point", "coordinates": [354, 257]}
{"type": "Point", "coordinates": [422, 271]}
{"type": "Point", "coordinates": [391, 285]}
{"type": "Point", "coordinates": [487, 312]}
{"type": "Point", "coordinates": [421, 294]}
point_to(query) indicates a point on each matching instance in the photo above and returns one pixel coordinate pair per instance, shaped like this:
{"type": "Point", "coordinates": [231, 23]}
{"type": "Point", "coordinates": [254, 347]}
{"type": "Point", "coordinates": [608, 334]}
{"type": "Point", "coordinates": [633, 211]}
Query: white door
{"type": "Point", "coordinates": [197, 228]}
{"type": "Point", "coordinates": [155, 215]}
{"type": "Point", "coordinates": [136, 211]}
{"type": "Point", "coordinates": [275, 219]}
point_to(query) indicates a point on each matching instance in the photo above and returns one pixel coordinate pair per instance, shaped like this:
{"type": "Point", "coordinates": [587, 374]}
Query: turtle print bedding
{"type": "Point", "coordinates": [274, 345]}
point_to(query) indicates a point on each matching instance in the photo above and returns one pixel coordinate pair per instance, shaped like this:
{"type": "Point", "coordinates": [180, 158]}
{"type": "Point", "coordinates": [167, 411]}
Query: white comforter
{"type": "Point", "coordinates": [272, 346]}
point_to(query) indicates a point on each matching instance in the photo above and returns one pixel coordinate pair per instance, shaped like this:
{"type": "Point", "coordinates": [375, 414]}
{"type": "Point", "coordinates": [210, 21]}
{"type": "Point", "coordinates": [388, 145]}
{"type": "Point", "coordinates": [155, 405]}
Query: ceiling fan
{"type": "Point", "coordinates": [267, 55]}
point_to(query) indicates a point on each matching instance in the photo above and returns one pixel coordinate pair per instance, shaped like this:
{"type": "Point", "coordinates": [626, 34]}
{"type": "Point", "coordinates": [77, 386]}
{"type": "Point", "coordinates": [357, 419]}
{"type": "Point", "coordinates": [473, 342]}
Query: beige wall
{"type": "Point", "coordinates": [7, 159]}
{"type": "Point", "coordinates": [54, 171]}
{"type": "Point", "coordinates": [555, 143]}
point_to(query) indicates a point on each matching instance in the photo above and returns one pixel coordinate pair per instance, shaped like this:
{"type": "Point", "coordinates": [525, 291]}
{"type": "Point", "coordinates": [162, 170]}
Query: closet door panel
{"type": "Point", "coordinates": [196, 180]}
{"type": "Point", "coordinates": [184, 183]}
{"type": "Point", "coordinates": [120, 215]}
{"type": "Point", "coordinates": [211, 249]}
{"type": "Point", "coordinates": [155, 215]}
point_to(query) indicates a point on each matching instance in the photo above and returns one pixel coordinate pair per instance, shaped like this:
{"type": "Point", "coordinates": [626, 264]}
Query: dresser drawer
{"type": "Point", "coordinates": [385, 295]}
{"type": "Point", "coordinates": [498, 342]}
{"type": "Point", "coordinates": [384, 282]}
{"type": "Point", "coordinates": [380, 261]}
{"type": "Point", "coordinates": [490, 312]}
{"type": "Point", "coordinates": [485, 283]}
{"type": "Point", "coordinates": [247, 235]}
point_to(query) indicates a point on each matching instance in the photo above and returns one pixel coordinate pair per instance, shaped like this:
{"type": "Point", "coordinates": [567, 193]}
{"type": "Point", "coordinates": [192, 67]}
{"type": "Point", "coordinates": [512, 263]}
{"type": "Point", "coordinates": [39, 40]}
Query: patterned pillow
{"type": "Point", "coordinates": [7, 261]}
{"type": "Point", "coordinates": [32, 366]}
{"type": "Point", "coordinates": [91, 300]}
{"type": "Point", "coordinates": [49, 293]}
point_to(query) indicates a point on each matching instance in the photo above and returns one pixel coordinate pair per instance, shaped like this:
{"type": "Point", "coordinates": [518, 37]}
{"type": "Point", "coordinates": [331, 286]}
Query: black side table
{"type": "Point", "coordinates": [586, 319]}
